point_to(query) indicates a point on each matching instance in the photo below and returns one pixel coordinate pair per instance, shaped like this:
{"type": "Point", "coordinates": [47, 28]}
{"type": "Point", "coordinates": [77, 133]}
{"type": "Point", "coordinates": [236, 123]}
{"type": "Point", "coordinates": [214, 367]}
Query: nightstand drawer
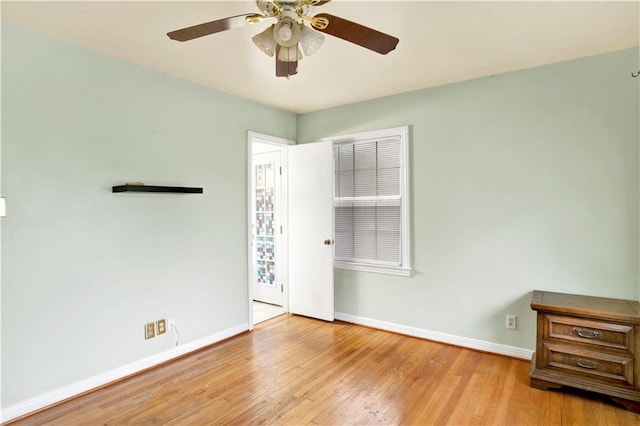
{"type": "Point", "coordinates": [597, 333]}
{"type": "Point", "coordinates": [599, 365]}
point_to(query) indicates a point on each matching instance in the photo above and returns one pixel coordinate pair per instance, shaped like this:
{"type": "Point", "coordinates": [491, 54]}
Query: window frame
{"type": "Point", "coordinates": [404, 269]}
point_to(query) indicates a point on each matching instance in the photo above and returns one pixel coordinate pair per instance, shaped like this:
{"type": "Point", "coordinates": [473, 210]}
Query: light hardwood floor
{"type": "Point", "coordinates": [293, 370]}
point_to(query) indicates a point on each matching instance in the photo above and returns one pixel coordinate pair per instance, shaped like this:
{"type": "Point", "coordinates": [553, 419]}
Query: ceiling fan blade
{"type": "Point", "coordinates": [358, 34]}
{"type": "Point", "coordinates": [213, 27]}
{"type": "Point", "coordinates": [285, 69]}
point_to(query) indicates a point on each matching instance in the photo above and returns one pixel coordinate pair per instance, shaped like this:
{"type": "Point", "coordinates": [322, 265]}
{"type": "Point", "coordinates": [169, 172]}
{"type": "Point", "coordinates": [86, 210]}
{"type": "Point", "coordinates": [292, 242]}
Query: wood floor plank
{"type": "Point", "coordinates": [509, 373]}
{"type": "Point", "coordinates": [293, 370]}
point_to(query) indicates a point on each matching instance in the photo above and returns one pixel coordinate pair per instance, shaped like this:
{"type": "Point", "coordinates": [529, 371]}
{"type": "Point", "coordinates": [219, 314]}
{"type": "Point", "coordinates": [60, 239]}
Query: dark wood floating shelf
{"type": "Point", "coordinates": [151, 188]}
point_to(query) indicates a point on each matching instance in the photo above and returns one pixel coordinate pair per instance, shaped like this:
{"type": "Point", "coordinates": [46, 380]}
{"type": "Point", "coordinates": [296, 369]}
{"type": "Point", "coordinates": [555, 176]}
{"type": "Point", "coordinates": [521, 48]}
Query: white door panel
{"type": "Point", "coordinates": [311, 230]}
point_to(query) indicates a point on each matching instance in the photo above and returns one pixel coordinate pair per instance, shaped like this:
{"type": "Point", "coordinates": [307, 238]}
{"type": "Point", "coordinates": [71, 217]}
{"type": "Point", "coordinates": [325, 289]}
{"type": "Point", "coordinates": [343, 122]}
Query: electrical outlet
{"type": "Point", "coordinates": [149, 330]}
{"type": "Point", "coordinates": [161, 326]}
{"type": "Point", "coordinates": [511, 322]}
{"type": "Point", "coordinates": [171, 323]}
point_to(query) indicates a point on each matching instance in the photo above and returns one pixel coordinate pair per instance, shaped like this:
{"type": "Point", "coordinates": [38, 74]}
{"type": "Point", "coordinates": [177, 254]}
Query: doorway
{"type": "Point", "coordinates": [267, 217]}
{"type": "Point", "coordinates": [302, 225]}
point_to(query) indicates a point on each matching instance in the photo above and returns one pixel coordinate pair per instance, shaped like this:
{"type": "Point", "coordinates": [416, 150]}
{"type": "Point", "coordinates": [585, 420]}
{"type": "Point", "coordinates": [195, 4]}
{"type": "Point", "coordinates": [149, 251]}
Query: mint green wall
{"type": "Point", "coordinates": [84, 269]}
{"type": "Point", "coordinates": [520, 181]}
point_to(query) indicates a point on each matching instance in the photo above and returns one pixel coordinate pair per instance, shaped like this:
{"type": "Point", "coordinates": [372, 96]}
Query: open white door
{"type": "Point", "coordinates": [311, 230]}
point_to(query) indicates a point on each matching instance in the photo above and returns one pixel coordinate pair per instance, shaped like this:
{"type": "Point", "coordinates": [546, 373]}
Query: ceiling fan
{"type": "Point", "coordinates": [289, 34]}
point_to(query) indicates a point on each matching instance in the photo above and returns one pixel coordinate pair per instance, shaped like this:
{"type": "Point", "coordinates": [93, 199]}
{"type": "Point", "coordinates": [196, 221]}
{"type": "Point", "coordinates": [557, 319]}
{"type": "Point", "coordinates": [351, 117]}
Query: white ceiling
{"type": "Point", "coordinates": [440, 43]}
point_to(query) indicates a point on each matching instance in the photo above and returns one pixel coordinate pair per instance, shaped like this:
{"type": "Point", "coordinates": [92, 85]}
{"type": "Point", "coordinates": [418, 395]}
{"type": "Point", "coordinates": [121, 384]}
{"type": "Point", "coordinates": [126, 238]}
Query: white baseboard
{"type": "Point", "coordinates": [465, 342]}
{"type": "Point", "coordinates": [94, 382]}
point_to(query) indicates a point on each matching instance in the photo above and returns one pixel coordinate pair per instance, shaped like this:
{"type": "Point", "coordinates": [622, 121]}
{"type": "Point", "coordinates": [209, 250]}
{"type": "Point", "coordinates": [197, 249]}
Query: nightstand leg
{"type": "Point", "coordinates": [544, 385]}
{"type": "Point", "coordinates": [633, 406]}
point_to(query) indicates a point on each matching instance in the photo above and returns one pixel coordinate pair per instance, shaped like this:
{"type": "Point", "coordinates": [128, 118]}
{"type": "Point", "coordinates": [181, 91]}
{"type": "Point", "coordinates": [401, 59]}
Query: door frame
{"type": "Point", "coordinates": [282, 144]}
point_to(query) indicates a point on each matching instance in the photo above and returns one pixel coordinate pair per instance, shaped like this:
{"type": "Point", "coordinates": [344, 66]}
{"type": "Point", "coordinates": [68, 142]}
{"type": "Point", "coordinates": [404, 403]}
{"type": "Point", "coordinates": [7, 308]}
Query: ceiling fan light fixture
{"type": "Point", "coordinates": [287, 32]}
{"type": "Point", "coordinates": [265, 41]}
{"type": "Point", "coordinates": [310, 40]}
{"type": "Point", "coordinates": [289, 54]}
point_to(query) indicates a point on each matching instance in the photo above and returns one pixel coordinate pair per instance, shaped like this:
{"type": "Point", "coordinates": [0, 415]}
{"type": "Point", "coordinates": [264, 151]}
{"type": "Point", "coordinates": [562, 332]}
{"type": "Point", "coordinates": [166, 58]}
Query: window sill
{"type": "Point", "coordinates": [379, 269]}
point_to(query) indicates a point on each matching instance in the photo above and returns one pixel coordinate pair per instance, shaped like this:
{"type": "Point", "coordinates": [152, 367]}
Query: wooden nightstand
{"type": "Point", "coordinates": [590, 343]}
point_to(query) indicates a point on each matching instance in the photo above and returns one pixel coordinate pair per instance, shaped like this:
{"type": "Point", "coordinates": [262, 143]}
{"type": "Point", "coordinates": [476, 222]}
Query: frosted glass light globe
{"type": "Point", "coordinates": [284, 33]}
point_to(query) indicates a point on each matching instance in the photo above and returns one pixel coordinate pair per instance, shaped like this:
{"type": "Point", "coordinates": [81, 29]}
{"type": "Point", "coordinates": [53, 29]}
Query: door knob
{"type": "Point", "coordinates": [328, 242]}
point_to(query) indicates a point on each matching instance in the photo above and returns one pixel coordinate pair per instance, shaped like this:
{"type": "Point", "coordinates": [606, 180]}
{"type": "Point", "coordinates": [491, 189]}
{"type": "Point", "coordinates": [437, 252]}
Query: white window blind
{"type": "Point", "coordinates": [369, 201]}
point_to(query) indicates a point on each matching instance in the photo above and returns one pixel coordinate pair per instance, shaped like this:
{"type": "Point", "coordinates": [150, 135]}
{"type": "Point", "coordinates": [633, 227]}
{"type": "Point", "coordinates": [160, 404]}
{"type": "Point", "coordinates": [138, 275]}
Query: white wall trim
{"type": "Point", "coordinates": [107, 377]}
{"type": "Point", "coordinates": [436, 336]}
{"type": "Point", "coordinates": [378, 269]}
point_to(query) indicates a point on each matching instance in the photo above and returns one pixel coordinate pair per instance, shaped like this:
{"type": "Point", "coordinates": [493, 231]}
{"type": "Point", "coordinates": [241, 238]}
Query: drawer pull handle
{"type": "Point", "coordinates": [592, 365]}
{"type": "Point", "coordinates": [587, 334]}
